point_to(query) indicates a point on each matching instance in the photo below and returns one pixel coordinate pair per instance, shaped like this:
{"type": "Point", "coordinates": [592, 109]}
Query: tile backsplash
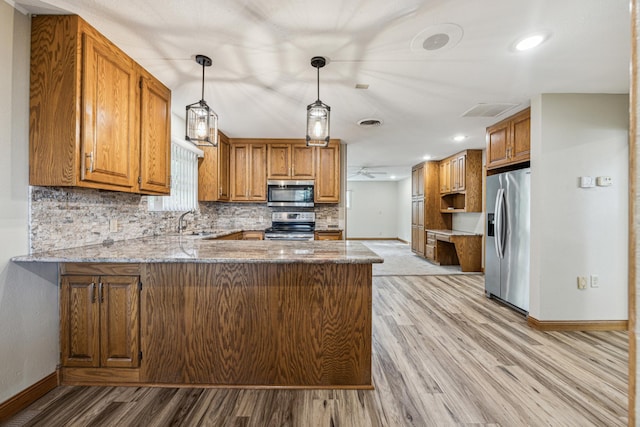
{"type": "Point", "coordinates": [62, 217]}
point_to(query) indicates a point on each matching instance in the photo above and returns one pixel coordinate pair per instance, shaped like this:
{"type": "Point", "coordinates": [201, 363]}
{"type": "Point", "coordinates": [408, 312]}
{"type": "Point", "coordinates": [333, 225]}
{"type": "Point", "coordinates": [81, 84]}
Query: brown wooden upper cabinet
{"type": "Point", "coordinates": [214, 179]}
{"type": "Point", "coordinates": [508, 141]}
{"type": "Point", "coordinates": [97, 118]}
{"type": "Point", "coordinates": [99, 318]}
{"type": "Point", "coordinates": [417, 181]}
{"type": "Point", "coordinates": [248, 172]}
{"type": "Point", "coordinates": [155, 135]}
{"type": "Point", "coordinates": [327, 188]}
{"type": "Point", "coordinates": [287, 160]}
{"type": "Point", "coordinates": [445, 176]}
{"type": "Point", "coordinates": [252, 161]}
{"type": "Point", "coordinates": [461, 182]}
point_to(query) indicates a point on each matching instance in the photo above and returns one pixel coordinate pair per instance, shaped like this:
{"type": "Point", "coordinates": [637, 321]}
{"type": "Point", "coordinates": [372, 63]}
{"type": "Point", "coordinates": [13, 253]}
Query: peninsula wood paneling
{"type": "Point", "coordinates": [300, 325]}
{"type": "Point", "coordinates": [346, 339]}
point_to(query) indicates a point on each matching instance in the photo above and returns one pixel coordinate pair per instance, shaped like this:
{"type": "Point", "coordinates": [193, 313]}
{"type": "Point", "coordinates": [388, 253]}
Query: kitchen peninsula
{"type": "Point", "coordinates": [183, 310]}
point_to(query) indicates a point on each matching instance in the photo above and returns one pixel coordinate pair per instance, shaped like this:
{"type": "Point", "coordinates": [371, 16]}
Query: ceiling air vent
{"type": "Point", "coordinates": [488, 110]}
{"type": "Point", "coordinates": [366, 123]}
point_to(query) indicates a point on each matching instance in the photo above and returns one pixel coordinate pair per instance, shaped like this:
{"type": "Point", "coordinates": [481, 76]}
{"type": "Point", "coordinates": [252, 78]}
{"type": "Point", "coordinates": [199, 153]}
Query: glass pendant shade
{"type": "Point", "coordinates": [201, 121]}
{"type": "Point", "coordinates": [202, 124]}
{"type": "Point", "coordinates": [318, 124]}
{"type": "Point", "coordinates": [318, 113]}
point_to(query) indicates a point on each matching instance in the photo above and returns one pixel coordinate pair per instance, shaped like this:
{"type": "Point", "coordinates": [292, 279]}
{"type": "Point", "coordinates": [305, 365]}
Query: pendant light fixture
{"type": "Point", "coordinates": [318, 113]}
{"type": "Point", "coordinates": [202, 121]}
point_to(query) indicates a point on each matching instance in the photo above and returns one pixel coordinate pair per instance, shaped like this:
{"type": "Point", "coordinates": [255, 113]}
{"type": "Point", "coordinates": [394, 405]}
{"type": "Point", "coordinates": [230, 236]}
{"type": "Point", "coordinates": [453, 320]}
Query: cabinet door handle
{"type": "Point", "coordinates": [101, 292]}
{"type": "Point", "coordinates": [90, 157]}
{"type": "Point", "coordinates": [93, 293]}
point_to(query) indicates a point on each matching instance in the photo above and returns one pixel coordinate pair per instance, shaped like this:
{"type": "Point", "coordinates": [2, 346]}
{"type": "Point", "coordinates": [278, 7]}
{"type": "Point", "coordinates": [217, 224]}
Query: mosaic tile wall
{"type": "Point", "coordinates": [62, 217]}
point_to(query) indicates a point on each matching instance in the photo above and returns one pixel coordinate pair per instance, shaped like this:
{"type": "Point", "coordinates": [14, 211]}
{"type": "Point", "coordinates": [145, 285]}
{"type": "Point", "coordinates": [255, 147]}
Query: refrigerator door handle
{"type": "Point", "coordinates": [499, 233]}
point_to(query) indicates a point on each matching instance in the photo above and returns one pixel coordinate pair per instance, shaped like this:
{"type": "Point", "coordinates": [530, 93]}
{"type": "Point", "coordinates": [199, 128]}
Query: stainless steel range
{"type": "Point", "coordinates": [291, 226]}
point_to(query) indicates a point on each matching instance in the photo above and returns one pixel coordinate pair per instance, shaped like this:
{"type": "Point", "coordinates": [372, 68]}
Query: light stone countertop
{"type": "Point", "coordinates": [188, 248]}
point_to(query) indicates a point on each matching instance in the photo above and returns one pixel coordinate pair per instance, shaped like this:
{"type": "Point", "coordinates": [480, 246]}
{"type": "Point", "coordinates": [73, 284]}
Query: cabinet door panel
{"type": "Point", "coordinates": [108, 122]}
{"type": "Point", "coordinates": [258, 173]}
{"type": "Point", "coordinates": [302, 162]}
{"type": "Point", "coordinates": [278, 161]}
{"type": "Point", "coordinates": [240, 172]}
{"type": "Point", "coordinates": [445, 176]}
{"type": "Point", "coordinates": [155, 136]}
{"type": "Point", "coordinates": [119, 302]}
{"type": "Point", "coordinates": [79, 321]}
{"type": "Point", "coordinates": [224, 165]}
{"type": "Point", "coordinates": [460, 173]}
{"type": "Point", "coordinates": [521, 136]}
{"type": "Point", "coordinates": [497, 144]}
{"type": "Point", "coordinates": [327, 188]}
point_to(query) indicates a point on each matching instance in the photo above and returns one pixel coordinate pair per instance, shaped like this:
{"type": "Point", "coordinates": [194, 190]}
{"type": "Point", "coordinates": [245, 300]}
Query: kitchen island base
{"type": "Point", "coordinates": [280, 325]}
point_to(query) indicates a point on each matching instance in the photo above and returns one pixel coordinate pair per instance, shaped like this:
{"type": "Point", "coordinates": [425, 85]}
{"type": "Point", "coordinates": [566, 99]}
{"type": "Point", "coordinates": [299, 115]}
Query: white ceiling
{"type": "Point", "coordinates": [261, 80]}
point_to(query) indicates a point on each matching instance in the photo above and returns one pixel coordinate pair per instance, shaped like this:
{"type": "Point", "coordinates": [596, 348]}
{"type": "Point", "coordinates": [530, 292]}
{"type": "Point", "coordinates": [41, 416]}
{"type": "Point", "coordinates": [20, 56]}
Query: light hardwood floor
{"type": "Point", "coordinates": [443, 355]}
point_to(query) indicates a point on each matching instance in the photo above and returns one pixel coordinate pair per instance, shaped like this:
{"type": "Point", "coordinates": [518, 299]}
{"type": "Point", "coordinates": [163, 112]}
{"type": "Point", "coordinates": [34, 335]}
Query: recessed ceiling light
{"type": "Point", "coordinates": [426, 157]}
{"type": "Point", "coordinates": [530, 41]}
{"type": "Point", "coordinates": [459, 138]}
{"type": "Point", "coordinates": [392, 177]}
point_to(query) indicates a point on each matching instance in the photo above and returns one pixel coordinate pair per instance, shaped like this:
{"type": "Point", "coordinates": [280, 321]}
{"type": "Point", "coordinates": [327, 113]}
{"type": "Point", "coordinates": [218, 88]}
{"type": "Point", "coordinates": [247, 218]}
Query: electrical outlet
{"type": "Point", "coordinates": [261, 219]}
{"type": "Point", "coordinates": [595, 281]}
{"type": "Point", "coordinates": [582, 282]}
{"type": "Point", "coordinates": [113, 225]}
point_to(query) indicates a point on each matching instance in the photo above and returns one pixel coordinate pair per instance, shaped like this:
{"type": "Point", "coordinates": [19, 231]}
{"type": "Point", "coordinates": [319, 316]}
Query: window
{"type": "Point", "coordinates": [184, 180]}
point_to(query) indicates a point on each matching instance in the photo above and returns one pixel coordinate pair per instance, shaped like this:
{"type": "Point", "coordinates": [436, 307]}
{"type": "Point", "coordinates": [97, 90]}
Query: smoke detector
{"type": "Point", "coordinates": [367, 123]}
{"type": "Point", "coordinates": [437, 38]}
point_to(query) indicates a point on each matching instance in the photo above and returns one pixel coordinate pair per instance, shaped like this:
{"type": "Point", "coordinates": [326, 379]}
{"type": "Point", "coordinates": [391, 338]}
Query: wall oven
{"type": "Point", "coordinates": [290, 193]}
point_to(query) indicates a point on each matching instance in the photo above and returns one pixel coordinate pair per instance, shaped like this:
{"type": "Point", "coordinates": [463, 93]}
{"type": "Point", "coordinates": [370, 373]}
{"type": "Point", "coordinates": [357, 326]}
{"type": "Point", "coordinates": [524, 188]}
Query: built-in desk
{"type": "Point", "coordinates": [453, 247]}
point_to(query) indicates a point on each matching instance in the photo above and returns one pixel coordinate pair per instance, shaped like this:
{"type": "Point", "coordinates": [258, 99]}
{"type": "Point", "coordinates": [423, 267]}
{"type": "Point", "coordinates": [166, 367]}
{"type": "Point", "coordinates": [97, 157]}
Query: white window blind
{"type": "Point", "coordinates": [184, 180]}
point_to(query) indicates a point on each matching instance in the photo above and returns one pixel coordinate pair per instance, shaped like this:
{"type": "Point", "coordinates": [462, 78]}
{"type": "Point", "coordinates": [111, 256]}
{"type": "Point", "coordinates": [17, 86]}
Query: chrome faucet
{"type": "Point", "coordinates": [181, 225]}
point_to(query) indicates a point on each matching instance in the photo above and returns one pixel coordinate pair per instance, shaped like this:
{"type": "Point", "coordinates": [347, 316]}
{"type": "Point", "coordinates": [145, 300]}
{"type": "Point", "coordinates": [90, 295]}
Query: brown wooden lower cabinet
{"type": "Point", "coordinates": [233, 236]}
{"type": "Point", "coordinates": [328, 235]}
{"type": "Point", "coordinates": [253, 235]}
{"type": "Point", "coordinates": [99, 317]}
{"type": "Point", "coordinates": [229, 324]}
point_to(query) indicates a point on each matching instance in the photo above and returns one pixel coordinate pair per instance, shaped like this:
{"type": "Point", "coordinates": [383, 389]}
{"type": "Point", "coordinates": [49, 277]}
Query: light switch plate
{"type": "Point", "coordinates": [586, 182]}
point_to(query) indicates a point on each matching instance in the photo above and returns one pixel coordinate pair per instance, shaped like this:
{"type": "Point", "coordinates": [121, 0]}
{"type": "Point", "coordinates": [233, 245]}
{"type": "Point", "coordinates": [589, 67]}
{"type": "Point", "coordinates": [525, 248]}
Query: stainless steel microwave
{"type": "Point", "coordinates": [290, 193]}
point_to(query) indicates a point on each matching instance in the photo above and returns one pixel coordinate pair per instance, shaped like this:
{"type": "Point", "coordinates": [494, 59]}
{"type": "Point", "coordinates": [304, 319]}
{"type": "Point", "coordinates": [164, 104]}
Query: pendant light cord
{"type": "Point", "coordinates": [318, 82]}
{"type": "Point", "coordinates": [202, 97]}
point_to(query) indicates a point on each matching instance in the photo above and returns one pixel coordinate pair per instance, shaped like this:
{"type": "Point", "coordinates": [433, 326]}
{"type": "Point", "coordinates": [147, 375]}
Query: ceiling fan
{"type": "Point", "coordinates": [364, 171]}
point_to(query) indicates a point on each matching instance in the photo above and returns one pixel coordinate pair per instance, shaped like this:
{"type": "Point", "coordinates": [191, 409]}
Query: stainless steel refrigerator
{"type": "Point", "coordinates": [507, 241]}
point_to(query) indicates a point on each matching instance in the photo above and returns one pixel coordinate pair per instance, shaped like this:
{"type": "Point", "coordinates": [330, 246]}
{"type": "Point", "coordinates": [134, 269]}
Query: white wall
{"type": "Point", "coordinates": [403, 203]}
{"type": "Point", "coordinates": [575, 231]}
{"type": "Point", "coordinates": [28, 297]}
{"type": "Point", "coordinates": [373, 212]}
